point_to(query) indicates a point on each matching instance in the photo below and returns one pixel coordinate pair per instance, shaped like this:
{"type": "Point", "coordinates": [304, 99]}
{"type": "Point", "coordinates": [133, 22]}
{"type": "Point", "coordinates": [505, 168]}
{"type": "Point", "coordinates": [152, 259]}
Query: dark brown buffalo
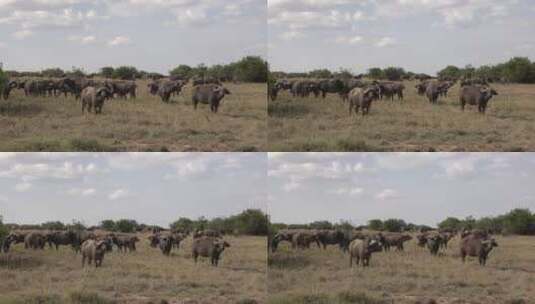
{"type": "Point", "coordinates": [361, 250]}
{"type": "Point", "coordinates": [208, 247]}
{"type": "Point", "coordinates": [476, 246]}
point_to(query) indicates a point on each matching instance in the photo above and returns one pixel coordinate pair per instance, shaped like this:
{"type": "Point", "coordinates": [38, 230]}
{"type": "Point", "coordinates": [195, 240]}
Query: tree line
{"type": "Point", "coordinates": [517, 221]}
{"type": "Point", "coordinates": [516, 70]}
{"type": "Point", "coordinates": [247, 69]}
{"type": "Point", "coordinates": [248, 222]}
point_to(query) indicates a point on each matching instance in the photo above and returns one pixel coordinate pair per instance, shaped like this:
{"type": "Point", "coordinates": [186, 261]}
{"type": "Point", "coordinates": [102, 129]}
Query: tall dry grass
{"type": "Point", "coordinates": [143, 124]}
{"type": "Point", "coordinates": [146, 276]}
{"type": "Point", "coordinates": [315, 124]}
{"type": "Point", "coordinates": [324, 276]}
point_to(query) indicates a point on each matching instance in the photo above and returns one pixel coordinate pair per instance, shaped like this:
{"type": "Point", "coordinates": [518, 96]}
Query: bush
{"type": "Point", "coordinates": [107, 72]}
{"type": "Point", "coordinates": [3, 231]}
{"type": "Point", "coordinates": [126, 226]}
{"type": "Point", "coordinates": [53, 73]}
{"type": "Point", "coordinates": [3, 80]}
{"type": "Point", "coordinates": [251, 69]}
{"type": "Point", "coordinates": [125, 73]}
{"type": "Point", "coordinates": [394, 225]}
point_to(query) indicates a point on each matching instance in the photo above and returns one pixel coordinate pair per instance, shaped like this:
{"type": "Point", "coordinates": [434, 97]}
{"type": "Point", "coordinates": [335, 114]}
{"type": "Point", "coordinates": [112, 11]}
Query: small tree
{"type": "Point", "coordinates": [321, 73]}
{"type": "Point", "coordinates": [108, 225]}
{"type": "Point", "coordinates": [126, 226]}
{"type": "Point", "coordinates": [375, 224]}
{"type": "Point", "coordinates": [54, 73]}
{"type": "Point", "coordinates": [57, 225]}
{"type": "Point", "coordinates": [125, 73]}
{"type": "Point", "coordinates": [3, 231]}
{"type": "Point", "coordinates": [251, 69]}
{"type": "Point", "coordinates": [394, 225]}
{"type": "Point", "coordinates": [183, 224]}
{"type": "Point", "coordinates": [450, 72]}
{"type": "Point", "coordinates": [181, 71]}
{"type": "Point", "coordinates": [394, 73]}
{"type": "Point", "coordinates": [107, 72]}
{"type": "Point", "coordinates": [321, 225]}
{"type": "Point", "coordinates": [518, 221]}
{"type": "Point", "coordinates": [375, 73]}
{"type": "Point", "coordinates": [3, 80]}
{"type": "Point", "coordinates": [451, 223]}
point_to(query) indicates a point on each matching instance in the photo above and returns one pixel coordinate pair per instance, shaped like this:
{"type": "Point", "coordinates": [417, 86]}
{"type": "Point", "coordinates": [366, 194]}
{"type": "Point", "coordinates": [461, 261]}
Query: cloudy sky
{"type": "Point", "coordinates": [422, 188]}
{"type": "Point", "coordinates": [149, 187]}
{"type": "Point", "coordinates": [153, 35]}
{"type": "Point", "coordinates": [419, 35]}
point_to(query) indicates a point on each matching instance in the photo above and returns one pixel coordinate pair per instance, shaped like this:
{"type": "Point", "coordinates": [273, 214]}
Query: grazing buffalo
{"type": "Point", "coordinates": [433, 243]}
{"type": "Point", "coordinates": [165, 243]}
{"type": "Point", "coordinates": [362, 250]}
{"type": "Point", "coordinates": [362, 98]}
{"type": "Point", "coordinates": [390, 89]}
{"type": "Point", "coordinates": [209, 94]}
{"type": "Point", "coordinates": [476, 246]}
{"type": "Point", "coordinates": [168, 88]}
{"type": "Point", "coordinates": [395, 240]}
{"type": "Point", "coordinates": [8, 87]}
{"type": "Point", "coordinates": [208, 247]}
{"type": "Point", "coordinates": [95, 97]}
{"type": "Point", "coordinates": [282, 235]}
{"type": "Point", "coordinates": [34, 240]}
{"type": "Point", "coordinates": [125, 242]}
{"type": "Point", "coordinates": [432, 91]}
{"type": "Point", "coordinates": [331, 86]}
{"type": "Point", "coordinates": [93, 250]}
{"type": "Point", "coordinates": [303, 239]}
{"type": "Point", "coordinates": [14, 237]}
{"type": "Point", "coordinates": [476, 95]}
{"type": "Point", "coordinates": [58, 238]}
{"type": "Point", "coordinates": [331, 237]}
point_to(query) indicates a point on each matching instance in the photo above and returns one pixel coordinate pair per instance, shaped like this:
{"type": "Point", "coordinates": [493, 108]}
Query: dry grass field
{"type": "Point", "coordinates": [144, 124]}
{"type": "Point", "coordinates": [314, 124]}
{"type": "Point", "coordinates": [146, 276]}
{"type": "Point", "coordinates": [413, 276]}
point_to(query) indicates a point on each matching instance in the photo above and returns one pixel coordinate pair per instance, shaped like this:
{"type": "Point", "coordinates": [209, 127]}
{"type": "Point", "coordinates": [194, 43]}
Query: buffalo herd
{"type": "Point", "coordinates": [361, 93]}
{"type": "Point", "coordinates": [94, 244]}
{"type": "Point", "coordinates": [93, 93]}
{"type": "Point", "coordinates": [361, 244]}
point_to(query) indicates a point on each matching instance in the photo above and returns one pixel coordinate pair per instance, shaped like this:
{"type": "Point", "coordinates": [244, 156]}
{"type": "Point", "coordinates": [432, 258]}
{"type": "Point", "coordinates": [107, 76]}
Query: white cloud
{"type": "Point", "coordinates": [355, 191]}
{"type": "Point", "coordinates": [349, 39]}
{"type": "Point", "coordinates": [291, 185]}
{"type": "Point", "coordinates": [119, 40]}
{"type": "Point", "coordinates": [387, 194]}
{"type": "Point", "coordinates": [459, 168]}
{"type": "Point", "coordinates": [83, 39]}
{"type": "Point", "coordinates": [23, 34]}
{"type": "Point", "coordinates": [65, 170]}
{"type": "Point", "coordinates": [291, 35]}
{"type": "Point", "coordinates": [23, 187]}
{"type": "Point", "coordinates": [385, 41]}
{"type": "Point", "coordinates": [82, 192]}
{"type": "Point", "coordinates": [118, 194]}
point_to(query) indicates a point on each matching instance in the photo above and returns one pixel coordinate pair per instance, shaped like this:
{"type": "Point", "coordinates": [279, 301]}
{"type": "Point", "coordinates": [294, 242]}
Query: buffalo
{"type": "Point", "coordinates": [209, 94]}
{"type": "Point", "coordinates": [476, 95]}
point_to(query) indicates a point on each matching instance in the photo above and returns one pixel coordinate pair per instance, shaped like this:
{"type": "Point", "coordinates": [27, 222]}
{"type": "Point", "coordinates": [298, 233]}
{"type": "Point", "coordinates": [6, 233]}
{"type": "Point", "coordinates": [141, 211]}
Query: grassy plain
{"type": "Point", "coordinates": [143, 124]}
{"type": "Point", "coordinates": [146, 276]}
{"type": "Point", "coordinates": [413, 276]}
{"type": "Point", "coordinates": [316, 124]}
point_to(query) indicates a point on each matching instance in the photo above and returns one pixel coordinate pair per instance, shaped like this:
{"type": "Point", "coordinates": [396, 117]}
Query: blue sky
{"type": "Point", "coordinates": [152, 188]}
{"type": "Point", "coordinates": [154, 35]}
{"type": "Point", "coordinates": [419, 35]}
{"type": "Point", "coordinates": [423, 188]}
